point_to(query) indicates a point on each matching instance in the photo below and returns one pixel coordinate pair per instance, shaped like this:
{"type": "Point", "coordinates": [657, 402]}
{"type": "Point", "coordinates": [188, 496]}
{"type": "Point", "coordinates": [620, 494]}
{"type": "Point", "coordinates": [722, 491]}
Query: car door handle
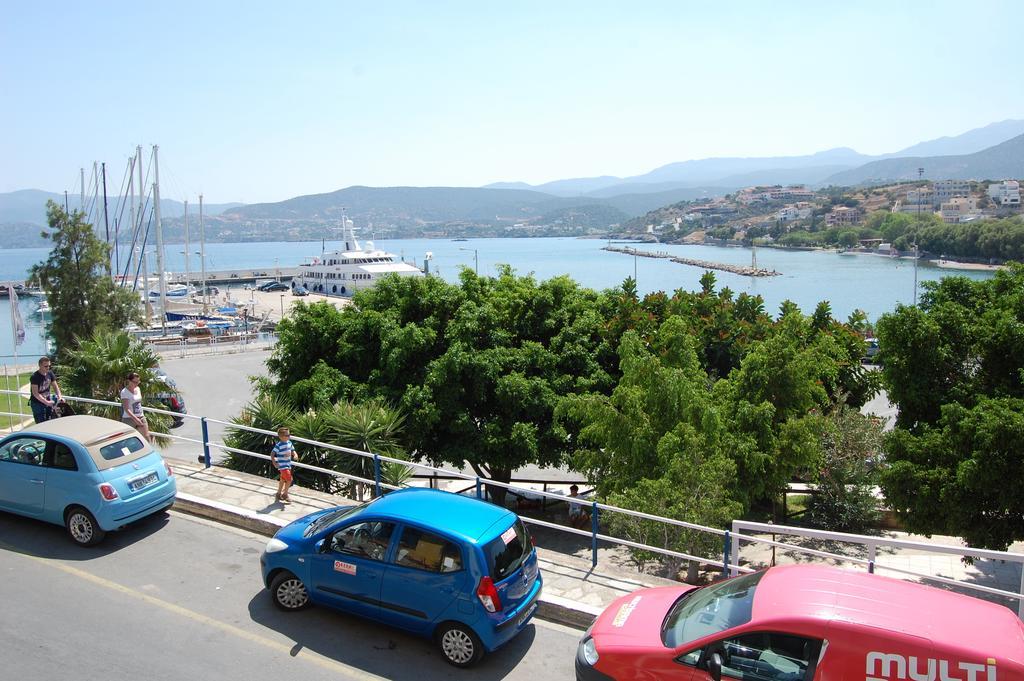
{"type": "Point", "coordinates": [36, 482]}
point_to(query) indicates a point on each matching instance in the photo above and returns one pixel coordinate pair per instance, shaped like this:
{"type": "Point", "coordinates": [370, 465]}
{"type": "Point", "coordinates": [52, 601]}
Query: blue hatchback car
{"type": "Point", "coordinates": [89, 474]}
{"type": "Point", "coordinates": [440, 565]}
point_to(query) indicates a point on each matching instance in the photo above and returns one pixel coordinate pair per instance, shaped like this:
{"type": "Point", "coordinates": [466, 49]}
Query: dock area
{"type": "Point", "coordinates": [744, 270]}
{"type": "Point", "coordinates": [233, 277]}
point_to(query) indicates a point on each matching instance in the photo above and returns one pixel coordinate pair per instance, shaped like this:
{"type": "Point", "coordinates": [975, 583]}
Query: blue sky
{"type": "Point", "coordinates": [260, 101]}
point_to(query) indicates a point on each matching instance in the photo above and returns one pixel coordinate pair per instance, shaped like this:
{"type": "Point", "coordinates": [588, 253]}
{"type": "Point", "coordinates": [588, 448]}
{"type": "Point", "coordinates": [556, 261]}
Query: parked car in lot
{"type": "Point", "coordinates": [91, 475]}
{"type": "Point", "coordinates": [171, 399]}
{"type": "Point", "coordinates": [433, 563]}
{"type": "Point", "coordinates": [300, 291]}
{"type": "Point", "coordinates": [802, 623]}
{"type": "Point", "coordinates": [272, 286]}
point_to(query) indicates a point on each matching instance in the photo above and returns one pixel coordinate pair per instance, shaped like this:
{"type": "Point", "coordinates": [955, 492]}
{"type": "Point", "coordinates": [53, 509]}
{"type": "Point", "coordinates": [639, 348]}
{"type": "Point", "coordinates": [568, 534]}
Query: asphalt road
{"type": "Point", "coordinates": [175, 597]}
{"type": "Point", "coordinates": [214, 386]}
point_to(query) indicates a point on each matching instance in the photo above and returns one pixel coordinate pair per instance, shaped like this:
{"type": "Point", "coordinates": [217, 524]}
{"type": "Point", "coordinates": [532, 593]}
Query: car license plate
{"type": "Point", "coordinates": [136, 485]}
{"type": "Point", "coordinates": [525, 616]}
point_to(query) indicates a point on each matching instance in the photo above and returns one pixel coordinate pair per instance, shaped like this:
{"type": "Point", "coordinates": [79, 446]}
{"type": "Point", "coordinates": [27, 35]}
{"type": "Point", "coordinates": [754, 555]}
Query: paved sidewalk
{"type": "Point", "coordinates": [574, 593]}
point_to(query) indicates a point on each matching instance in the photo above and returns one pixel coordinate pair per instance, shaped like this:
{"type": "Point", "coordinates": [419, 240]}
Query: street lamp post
{"type": "Point", "coordinates": [282, 306]}
{"type": "Point", "coordinates": [476, 263]}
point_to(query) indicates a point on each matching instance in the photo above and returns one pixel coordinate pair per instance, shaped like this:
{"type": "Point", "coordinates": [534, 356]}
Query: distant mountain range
{"type": "Point", "coordinates": [29, 205]}
{"type": "Point", "coordinates": [816, 169]}
{"type": "Point", "coordinates": [1005, 160]}
{"type": "Point", "coordinates": [995, 151]}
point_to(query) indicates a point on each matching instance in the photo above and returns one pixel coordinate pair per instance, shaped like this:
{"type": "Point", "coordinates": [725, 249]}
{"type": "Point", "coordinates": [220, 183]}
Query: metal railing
{"type": "Point", "coordinates": [731, 539]}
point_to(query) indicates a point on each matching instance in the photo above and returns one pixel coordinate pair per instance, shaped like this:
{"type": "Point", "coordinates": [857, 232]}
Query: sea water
{"type": "Point", "coordinates": [872, 283]}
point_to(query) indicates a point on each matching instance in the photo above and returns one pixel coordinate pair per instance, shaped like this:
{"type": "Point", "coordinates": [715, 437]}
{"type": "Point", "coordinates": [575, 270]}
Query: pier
{"type": "Point", "coordinates": [228, 277]}
{"type": "Point", "coordinates": [744, 270]}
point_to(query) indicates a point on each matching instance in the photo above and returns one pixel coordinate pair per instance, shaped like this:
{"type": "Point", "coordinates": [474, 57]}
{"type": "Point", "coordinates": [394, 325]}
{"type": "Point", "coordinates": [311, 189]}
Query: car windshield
{"type": "Point", "coordinates": [332, 517]}
{"type": "Point", "coordinates": [506, 553]}
{"type": "Point", "coordinates": [710, 610]}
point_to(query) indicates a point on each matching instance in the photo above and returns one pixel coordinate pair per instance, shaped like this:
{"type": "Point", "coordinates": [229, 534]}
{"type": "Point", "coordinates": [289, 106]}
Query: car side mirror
{"type": "Point", "coordinates": [715, 666]}
{"type": "Point", "coordinates": [321, 546]}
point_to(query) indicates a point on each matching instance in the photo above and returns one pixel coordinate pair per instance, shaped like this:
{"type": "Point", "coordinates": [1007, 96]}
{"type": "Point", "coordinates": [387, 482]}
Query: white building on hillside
{"type": "Point", "coordinates": [1006, 193]}
{"type": "Point", "coordinates": [799, 211]}
{"type": "Point", "coordinates": [918, 201]}
{"type": "Point", "coordinates": [944, 190]}
{"type": "Point", "coordinates": [960, 209]}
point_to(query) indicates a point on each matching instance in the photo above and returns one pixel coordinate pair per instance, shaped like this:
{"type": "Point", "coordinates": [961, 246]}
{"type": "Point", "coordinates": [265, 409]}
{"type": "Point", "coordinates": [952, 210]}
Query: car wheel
{"type": "Point", "coordinates": [459, 644]}
{"type": "Point", "coordinates": [288, 592]}
{"type": "Point", "coordinates": [82, 527]}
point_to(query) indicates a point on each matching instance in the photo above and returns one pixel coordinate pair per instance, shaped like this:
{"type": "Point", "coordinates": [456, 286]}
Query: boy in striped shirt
{"type": "Point", "coordinates": [281, 457]}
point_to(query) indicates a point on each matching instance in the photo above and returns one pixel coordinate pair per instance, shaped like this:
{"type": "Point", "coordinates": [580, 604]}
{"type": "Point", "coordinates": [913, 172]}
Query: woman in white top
{"type": "Point", "coordinates": [131, 406]}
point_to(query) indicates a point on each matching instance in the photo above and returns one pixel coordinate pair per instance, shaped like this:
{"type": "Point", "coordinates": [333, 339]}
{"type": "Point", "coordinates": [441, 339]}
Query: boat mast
{"type": "Point", "coordinates": [96, 192]}
{"type": "Point", "coordinates": [159, 241]}
{"type": "Point", "coordinates": [187, 272]}
{"type": "Point", "coordinates": [131, 232]}
{"type": "Point", "coordinates": [106, 218]}
{"type": "Point", "coordinates": [202, 251]}
{"type": "Point", "coordinates": [142, 240]}
{"type": "Point", "coordinates": [81, 172]}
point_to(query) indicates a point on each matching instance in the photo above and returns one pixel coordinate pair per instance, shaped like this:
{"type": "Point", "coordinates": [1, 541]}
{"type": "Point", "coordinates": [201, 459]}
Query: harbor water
{"type": "Point", "coordinates": [872, 283]}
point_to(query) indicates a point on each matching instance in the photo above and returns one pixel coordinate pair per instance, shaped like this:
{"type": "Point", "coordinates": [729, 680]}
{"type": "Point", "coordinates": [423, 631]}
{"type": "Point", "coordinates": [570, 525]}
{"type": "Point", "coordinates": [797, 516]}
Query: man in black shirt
{"type": "Point", "coordinates": [42, 401]}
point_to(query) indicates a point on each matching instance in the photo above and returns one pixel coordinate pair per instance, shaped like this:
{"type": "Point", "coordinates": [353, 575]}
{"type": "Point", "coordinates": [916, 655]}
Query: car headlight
{"type": "Point", "coordinates": [589, 651]}
{"type": "Point", "coordinates": [275, 545]}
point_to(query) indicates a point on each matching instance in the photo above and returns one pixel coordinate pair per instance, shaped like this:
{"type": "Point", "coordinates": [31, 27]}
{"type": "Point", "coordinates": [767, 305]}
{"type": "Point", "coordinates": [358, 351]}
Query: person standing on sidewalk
{"type": "Point", "coordinates": [42, 402]}
{"type": "Point", "coordinates": [281, 457]}
{"type": "Point", "coordinates": [131, 406]}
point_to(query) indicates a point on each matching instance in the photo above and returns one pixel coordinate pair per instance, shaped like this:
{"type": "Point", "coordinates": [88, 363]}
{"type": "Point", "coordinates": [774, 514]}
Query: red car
{"type": "Point", "coordinates": [803, 623]}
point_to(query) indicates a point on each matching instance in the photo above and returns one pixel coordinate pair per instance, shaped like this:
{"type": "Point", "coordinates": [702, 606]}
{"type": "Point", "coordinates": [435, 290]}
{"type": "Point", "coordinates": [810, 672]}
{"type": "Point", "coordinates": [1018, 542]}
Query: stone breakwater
{"type": "Point", "coordinates": [743, 270]}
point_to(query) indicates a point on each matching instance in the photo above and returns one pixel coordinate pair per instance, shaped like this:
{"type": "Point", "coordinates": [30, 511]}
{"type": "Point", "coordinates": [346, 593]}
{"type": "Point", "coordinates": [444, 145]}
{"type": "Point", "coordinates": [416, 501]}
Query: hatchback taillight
{"type": "Point", "coordinates": [174, 403]}
{"type": "Point", "coordinates": [168, 467]}
{"type": "Point", "coordinates": [107, 491]}
{"type": "Point", "coordinates": [488, 595]}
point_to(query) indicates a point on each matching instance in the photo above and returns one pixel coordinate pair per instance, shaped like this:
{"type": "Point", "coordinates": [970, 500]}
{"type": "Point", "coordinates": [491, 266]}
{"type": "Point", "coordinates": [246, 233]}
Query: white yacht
{"type": "Point", "coordinates": [351, 268]}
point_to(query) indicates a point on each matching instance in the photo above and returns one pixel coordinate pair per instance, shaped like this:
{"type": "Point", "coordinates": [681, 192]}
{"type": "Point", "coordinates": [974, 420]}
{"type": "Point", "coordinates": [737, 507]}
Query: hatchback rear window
{"type": "Point", "coordinates": [121, 448]}
{"type": "Point", "coordinates": [506, 553]}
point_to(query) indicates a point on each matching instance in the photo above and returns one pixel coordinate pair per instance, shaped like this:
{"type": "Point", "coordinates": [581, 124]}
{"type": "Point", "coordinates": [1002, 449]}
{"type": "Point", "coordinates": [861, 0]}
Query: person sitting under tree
{"type": "Point", "coordinates": [579, 516]}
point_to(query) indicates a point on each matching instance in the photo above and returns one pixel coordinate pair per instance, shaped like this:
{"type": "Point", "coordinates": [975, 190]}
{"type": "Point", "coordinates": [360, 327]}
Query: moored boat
{"type": "Point", "coordinates": [351, 268]}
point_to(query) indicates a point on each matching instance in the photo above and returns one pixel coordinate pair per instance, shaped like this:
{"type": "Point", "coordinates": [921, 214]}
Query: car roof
{"type": "Point", "coordinates": [474, 520]}
{"type": "Point", "coordinates": [91, 432]}
{"type": "Point", "coordinates": [81, 428]}
{"type": "Point", "coordinates": [828, 593]}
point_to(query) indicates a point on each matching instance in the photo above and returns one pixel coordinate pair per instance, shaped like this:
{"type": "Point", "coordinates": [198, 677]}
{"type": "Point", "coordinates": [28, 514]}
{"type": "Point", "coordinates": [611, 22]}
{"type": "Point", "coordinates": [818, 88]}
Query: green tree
{"type": "Point", "coordinates": [961, 476]}
{"type": "Point", "coordinates": [367, 427]}
{"type": "Point", "coordinates": [477, 368]}
{"type": "Point", "coordinates": [658, 445]}
{"type": "Point", "coordinates": [844, 500]}
{"type": "Point", "coordinates": [954, 366]}
{"type": "Point", "coordinates": [82, 296]}
{"type": "Point", "coordinates": [98, 367]}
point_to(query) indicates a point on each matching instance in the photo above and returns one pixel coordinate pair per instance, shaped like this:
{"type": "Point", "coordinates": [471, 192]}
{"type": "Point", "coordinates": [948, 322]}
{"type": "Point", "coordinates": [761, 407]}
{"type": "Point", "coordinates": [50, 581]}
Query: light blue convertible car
{"type": "Point", "coordinates": [89, 474]}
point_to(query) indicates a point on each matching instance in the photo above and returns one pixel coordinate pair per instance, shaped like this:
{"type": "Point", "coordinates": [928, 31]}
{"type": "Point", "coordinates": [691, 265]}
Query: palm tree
{"type": "Point", "coordinates": [265, 413]}
{"type": "Point", "coordinates": [97, 369]}
{"type": "Point", "coordinates": [369, 427]}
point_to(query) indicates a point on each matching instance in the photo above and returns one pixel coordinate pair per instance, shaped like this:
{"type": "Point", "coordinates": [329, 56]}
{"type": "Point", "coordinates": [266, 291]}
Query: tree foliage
{"type": "Point", "coordinates": [82, 296]}
{"type": "Point", "coordinates": [955, 368]}
{"type": "Point", "coordinates": [844, 500]}
{"type": "Point", "coordinates": [658, 444]}
{"type": "Point", "coordinates": [366, 427]}
{"type": "Point", "coordinates": [476, 367]}
{"type": "Point", "coordinates": [98, 368]}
